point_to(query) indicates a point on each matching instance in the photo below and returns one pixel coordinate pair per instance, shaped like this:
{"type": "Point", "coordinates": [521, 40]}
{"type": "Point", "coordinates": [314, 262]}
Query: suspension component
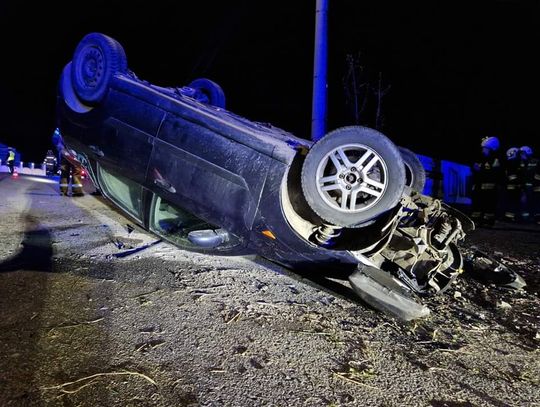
{"type": "Point", "coordinates": [443, 230]}
{"type": "Point", "coordinates": [325, 235]}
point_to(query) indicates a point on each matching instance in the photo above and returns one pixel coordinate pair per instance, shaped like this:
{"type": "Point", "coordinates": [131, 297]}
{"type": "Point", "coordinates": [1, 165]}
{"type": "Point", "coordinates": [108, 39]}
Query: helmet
{"type": "Point", "coordinates": [57, 137]}
{"type": "Point", "coordinates": [491, 142]}
{"type": "Point", "coordinates": [526, 150]}
{"type": "Point", "coordinates": [512, 153]}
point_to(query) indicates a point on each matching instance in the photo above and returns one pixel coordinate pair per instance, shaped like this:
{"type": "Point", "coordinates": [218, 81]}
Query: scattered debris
{"type": "Point", "coordinates": [118, 243]}
{"type": "Point", "coordinates": [233, 319]}
{"type": "Point", "coordinates": [148, 293]}
{"type": "Point", "coordinates": [148, 345]}
{"type": "Point", "coordinates": [64, 387]}
{"type": "Point", "coordinates": [76, 324]}
{"type": "Point", "coordinates": [503, 305]}
{"type": "Point", "coordinates": [135, 250]}
{"type": "Point", "coordinates": [488, 269]}
{"type": "Point", "coordinates": [344, 376]}
{"type": "Point", "coordinates": [240, 349]}
{"type": "Point", "coordinates": [253, 362]}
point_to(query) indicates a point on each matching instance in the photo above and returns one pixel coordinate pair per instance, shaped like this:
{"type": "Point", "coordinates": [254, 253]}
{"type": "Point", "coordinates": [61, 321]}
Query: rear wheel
{"type": "Point", "coordinates": [95, 61]}
{"type": "Point", "coordinates": [209, 91]}
{"type": "Point", "coordinates": [70, 96]}
{"type": "Point", "coordinates": [415, 174]}
{"type": "Point", "coordinates": [353, 175]}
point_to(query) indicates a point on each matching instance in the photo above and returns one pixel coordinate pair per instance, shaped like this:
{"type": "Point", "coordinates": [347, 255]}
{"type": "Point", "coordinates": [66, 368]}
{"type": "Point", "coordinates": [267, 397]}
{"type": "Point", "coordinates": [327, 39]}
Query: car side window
{"type": "Point", "coordinates": [125, 193]}
{"type": "Point", "coordinates": [173, 223]}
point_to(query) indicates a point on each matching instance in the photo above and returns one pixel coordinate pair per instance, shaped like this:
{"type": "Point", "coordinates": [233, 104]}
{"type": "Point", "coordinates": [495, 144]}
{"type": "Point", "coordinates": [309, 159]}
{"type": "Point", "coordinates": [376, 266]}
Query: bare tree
{"type": "Point", "coordinates": [355, 87]}
{"type": "Point", "coordinates": [380, 91]}
{"type": "Point", "coordinates": [363, 99]}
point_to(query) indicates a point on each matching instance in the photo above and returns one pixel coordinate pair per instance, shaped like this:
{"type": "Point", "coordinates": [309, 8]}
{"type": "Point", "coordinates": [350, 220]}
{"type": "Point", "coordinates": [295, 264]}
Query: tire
{"type": "Point", "coordinates": [95, 61]}
{"type": "Point", "coordinates": [209, 90]}
{"type": "Point", "coordinates": [415, 174]}
{"type": "Point", "coordinates": [70, 97]}
{"type": "Point", "coordinates": [357, 163]}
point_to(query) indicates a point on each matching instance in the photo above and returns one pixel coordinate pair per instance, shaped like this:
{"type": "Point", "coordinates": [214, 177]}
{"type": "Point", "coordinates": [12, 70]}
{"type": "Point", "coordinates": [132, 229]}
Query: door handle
{"type": "Point", "coordinates": [164, 184]}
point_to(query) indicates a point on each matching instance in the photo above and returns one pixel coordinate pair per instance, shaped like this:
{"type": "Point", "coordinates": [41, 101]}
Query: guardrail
{"type": "Point", "coordinates": [30, 168]}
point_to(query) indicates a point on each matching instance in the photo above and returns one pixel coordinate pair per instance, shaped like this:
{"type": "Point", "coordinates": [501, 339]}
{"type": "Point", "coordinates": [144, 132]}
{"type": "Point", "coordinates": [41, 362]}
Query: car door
{"type": "Point", "coordinates": [215, 178]}
{"type": "Point", "coordinates": [125, 140]}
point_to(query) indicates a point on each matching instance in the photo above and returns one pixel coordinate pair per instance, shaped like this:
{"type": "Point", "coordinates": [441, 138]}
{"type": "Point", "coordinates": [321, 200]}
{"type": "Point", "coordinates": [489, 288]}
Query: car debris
{"type": "Point", "coordinates": [488, 269]}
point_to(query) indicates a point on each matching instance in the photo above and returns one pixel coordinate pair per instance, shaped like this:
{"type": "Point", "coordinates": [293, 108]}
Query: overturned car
{"type": "Point", "coordinates": [205, 179]}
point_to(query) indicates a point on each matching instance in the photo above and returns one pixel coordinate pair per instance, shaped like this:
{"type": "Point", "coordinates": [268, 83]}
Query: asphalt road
{"type": "Point", "coordinates": [94, 313]}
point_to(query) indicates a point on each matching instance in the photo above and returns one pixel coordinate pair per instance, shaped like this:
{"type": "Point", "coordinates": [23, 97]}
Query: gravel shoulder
{"type": "Point", "coordinates": [83, 325]}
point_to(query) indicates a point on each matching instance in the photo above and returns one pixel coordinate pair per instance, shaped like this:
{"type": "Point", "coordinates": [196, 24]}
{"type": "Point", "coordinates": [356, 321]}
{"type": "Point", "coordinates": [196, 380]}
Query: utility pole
{"type": "Point", "coordinates": [318, 112]}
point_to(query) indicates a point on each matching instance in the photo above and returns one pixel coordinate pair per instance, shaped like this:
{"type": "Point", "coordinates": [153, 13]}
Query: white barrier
{"type": "Point", "coordinates": [24, 170]}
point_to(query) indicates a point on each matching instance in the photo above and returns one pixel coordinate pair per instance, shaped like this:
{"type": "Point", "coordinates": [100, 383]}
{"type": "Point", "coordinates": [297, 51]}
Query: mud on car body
{"type": "Point", "coordinates": [205, 179]}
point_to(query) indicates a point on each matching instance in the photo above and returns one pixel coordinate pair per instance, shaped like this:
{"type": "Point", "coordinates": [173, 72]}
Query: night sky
{"type": "Point", "coordinates": [457, 71]}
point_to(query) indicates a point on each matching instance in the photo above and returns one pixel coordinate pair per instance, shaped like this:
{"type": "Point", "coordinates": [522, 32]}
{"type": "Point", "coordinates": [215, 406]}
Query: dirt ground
{"type": "Point", "coordinates": [94, 313]}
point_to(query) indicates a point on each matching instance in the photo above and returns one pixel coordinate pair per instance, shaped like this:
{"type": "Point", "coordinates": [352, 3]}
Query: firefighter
{"type": "Point", "coordinates": [10, 160]}
{"type": "Point", "coordinates": [535, 202]}
{"type": "Point", "coordinates": [69, 167]}
{"type": "Point", "coordinates": [487, 177]}
{"type": "Point", "coordinates": [50, 163]}
{"type": "Point", "coordinates": [513, 184]}
{"type": "Point", "coordinates": [531, 184]}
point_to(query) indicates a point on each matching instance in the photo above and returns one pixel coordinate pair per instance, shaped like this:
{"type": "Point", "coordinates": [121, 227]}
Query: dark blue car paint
{"type": "Point", "coordinates": [223, 168]}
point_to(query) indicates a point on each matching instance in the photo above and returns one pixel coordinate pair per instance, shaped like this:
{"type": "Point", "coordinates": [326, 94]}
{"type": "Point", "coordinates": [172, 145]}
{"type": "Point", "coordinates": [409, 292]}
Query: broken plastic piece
{"type": "Point", "coordinates": [385, 293]}
{"type": "Point", "coordinates": [485, 268]}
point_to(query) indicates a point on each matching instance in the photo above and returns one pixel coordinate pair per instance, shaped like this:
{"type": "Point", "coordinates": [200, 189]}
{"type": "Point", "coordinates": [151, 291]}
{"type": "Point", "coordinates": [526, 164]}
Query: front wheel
{"type": "Point", "coordinates": [415, 174]}
{"type": "Point", "coordinates": [352, 176]}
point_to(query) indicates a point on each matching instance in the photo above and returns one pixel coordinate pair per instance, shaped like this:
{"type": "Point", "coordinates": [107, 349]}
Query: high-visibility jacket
{"type": "Point", "coordinates": [532, 174]}
{"type": "Point", "coordinates": [11, 156]}
{"type": "Point", "coordinates": [514, 174]}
